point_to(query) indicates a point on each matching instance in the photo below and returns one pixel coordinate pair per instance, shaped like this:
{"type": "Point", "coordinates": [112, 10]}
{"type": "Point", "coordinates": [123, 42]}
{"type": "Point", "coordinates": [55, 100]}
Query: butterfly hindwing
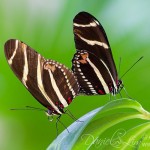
{"type": "Point", "coordinates": [93, 76]}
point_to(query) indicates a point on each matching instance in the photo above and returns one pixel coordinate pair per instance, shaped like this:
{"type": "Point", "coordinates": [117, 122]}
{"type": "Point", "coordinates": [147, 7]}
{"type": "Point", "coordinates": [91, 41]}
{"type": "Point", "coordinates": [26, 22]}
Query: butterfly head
{"type": "Point", "coordinates": [116, 89]}
{"type": "Point", "coordinates": [51, 112]}
{"type": "Point", "coordinates": [119, 86]}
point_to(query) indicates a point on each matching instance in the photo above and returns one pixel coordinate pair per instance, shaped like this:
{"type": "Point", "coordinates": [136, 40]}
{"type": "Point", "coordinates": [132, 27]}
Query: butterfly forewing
{"type": "Point", "coordinates": [90, 36]}
{"type": "Point", "coordinates": [87, 27]}
{"type": "Point", "coordinates": [23, 60]}
{"type": "Point", "coordinates": [41, 77]}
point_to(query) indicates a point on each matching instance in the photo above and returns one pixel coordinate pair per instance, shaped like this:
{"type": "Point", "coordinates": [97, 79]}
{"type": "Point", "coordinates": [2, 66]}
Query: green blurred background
{"type": "Point", "coordinates": [47, 27]}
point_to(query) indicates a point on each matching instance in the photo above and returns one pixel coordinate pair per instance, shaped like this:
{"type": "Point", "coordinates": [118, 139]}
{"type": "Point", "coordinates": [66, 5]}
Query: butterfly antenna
{"type": "Point", "coordinates": [35, 108]}
{"type": "Point", "coordinates": [29, 108]}
{"type": "Point", "coordinates": [131, 67]}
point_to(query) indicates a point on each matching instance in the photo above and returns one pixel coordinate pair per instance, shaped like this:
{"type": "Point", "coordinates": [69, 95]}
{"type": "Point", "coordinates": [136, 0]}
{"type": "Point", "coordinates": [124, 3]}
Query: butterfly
{"type": "Point", "coordinates": [50, 82]}
{"type": "Point", "coordinates": [93, 63]}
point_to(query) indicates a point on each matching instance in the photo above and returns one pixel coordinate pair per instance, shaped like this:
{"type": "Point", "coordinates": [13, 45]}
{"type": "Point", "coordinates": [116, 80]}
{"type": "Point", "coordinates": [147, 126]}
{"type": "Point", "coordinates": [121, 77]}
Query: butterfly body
{"type": "Point", "coordinates": [53, 84]}
{"type": "Point", "coordinates": [93, 62]}
{"type": "Point", "coordinates": [49, 81]}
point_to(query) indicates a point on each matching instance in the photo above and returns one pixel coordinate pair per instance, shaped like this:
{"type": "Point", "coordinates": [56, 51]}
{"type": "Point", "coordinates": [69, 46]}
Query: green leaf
{"type": "Point", "coordinates": [132, 139]}
{"type": "Point", "coordinates": [85, 135]}
{"type": "Point", "coordinates": [66, 140]}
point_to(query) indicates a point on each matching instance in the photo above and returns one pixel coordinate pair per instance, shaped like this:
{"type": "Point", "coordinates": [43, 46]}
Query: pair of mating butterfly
{"type": "Point", "coordinates": [53, 84]}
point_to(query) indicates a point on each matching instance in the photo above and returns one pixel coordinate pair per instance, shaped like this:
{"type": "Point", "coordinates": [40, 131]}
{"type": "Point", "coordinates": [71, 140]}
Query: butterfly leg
{"type": "Point", "coordinates": [58, 120]}
{"type": "Point", "coordinates": [72, 116]}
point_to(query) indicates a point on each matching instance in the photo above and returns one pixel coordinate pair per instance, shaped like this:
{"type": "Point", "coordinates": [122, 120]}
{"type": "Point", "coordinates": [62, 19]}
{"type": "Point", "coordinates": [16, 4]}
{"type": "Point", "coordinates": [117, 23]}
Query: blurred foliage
{"type": "Point", "coordinates": [47, 27]}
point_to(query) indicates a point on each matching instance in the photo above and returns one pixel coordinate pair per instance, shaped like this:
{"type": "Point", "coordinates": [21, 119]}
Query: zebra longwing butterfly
{"type": "Point", "coordinates": [50, 82]}
{"type": "Point", "coordinates": [93, 63]}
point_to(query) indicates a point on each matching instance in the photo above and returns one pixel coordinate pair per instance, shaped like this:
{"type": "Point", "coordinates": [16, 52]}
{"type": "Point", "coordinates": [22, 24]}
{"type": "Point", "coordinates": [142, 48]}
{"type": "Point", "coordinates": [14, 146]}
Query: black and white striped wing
{"type": "Point", "coordinates": [94, 76]}
{"type": "Point", "coordinates": [50, 82]}
{"type": "Point", "coordinates": [90, 36]}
